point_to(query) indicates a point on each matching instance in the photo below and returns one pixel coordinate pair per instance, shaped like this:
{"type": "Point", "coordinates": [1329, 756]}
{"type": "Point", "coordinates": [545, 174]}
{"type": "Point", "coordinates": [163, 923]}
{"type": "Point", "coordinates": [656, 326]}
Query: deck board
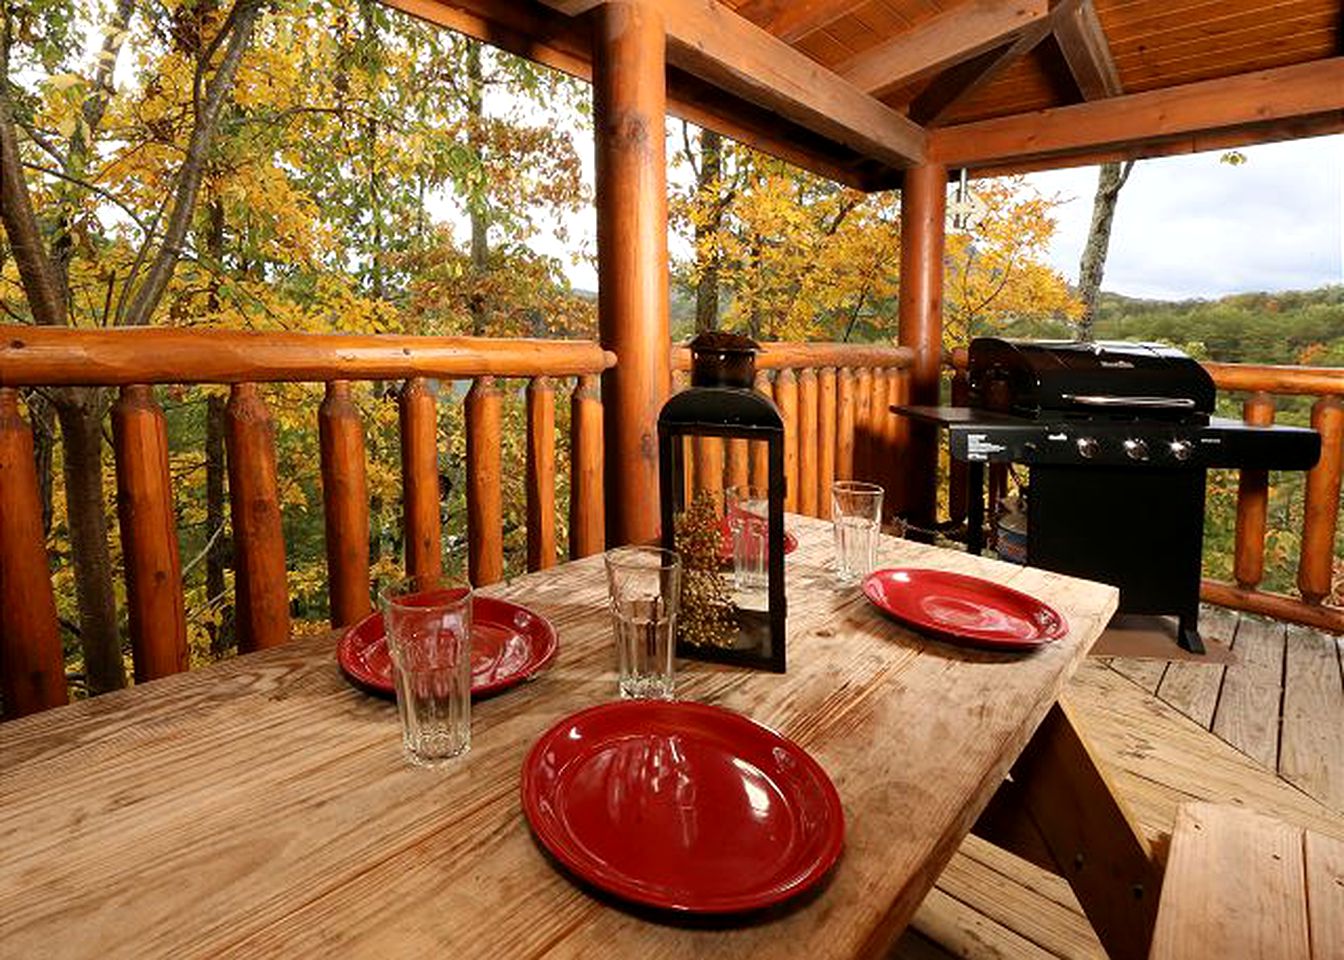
{"type": "Point", "coordinates": [1312, 738]}
{"type": "Point", "coordinates": [1248, 713]}
{"type": "Point", "coordinates": [1193, 688]}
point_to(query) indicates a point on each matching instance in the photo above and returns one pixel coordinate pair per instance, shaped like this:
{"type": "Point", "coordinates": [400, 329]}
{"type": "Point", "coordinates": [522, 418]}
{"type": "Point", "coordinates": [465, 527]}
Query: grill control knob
{"type": "Point", "coordinates": [1088, 447]}
{"type": "Point", "coordinates": [1180, 449]}
{"type": "Point", "coordinates": [1136, 449]}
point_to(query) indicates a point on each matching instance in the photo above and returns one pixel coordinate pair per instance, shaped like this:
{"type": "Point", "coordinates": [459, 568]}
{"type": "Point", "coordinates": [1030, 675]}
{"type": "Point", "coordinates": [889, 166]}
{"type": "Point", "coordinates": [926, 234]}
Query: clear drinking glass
{"type": "Point", "coordinates": [644, 584]}
{"type": "Point", "coordinates": [428, 625]}
{"type": "Point", "coordinates": [749, 522]}
{"type": "Point", "coordinates": [856, 517]}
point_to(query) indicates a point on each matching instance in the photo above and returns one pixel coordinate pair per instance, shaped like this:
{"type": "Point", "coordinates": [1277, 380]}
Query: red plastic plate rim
{"type": "Point", "coordinates": [1049, 622]}
{"type": "Point", "coordinates": [567, 850]}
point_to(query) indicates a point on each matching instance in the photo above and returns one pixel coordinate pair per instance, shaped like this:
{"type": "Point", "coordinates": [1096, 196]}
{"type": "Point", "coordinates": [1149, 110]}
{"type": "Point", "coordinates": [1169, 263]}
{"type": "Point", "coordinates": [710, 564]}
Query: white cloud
{"type": "Point", "coordinates": [1192, 226]}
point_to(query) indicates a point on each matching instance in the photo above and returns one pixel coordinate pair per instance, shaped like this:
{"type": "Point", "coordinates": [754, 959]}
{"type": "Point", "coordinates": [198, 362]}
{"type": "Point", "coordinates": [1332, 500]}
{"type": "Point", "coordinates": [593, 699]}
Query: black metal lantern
{"type": "Point", "coordinates": [732, 549]}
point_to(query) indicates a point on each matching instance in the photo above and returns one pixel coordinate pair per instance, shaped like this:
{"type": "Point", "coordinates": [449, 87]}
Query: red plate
{"type": "Point", "coordinates": [682, 806]}
{"type": "Point", "coordinates": [509, 643]}
{"type": "Point", "coordinates": [726, 543]}
{"type": "Point", "coordinates": [964, 607]}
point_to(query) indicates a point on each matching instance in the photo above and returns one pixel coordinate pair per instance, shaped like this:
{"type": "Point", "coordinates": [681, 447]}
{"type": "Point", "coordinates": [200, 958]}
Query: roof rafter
{"type": "Point", "coordinates": [1311, 93]}
{"type": "Point", "coordinates": [1083, 43]}
{"type": "Point", "coordinates": [957, 34]}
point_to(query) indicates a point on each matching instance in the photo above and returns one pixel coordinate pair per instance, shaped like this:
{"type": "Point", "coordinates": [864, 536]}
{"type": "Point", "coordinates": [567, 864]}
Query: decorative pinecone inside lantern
{"type": "Point", "coordinates": [707, 615]}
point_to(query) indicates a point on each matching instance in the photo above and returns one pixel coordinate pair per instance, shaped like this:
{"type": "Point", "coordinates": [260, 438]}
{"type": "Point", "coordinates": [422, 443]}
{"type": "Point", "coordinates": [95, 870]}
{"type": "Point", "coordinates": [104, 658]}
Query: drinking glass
{"type": "Point", "coordinates": [856, 517]}
{"type": "Point", "coordinates": [749, 523]}
{"type": "Point", "coordinates": [644, 584]}
{"type": "Point", "coordinates": [428, 625]}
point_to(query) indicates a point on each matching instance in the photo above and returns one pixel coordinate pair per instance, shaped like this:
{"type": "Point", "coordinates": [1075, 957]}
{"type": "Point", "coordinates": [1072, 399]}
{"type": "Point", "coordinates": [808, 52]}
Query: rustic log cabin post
{"type": "Point", "coordinates": [923, 209]}
{"type": "Point", "coordinates": [629, 101]}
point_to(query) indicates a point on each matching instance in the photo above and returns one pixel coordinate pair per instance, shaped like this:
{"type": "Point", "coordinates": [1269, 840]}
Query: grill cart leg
{"type": "Point", "coordinates": [1187, 633]}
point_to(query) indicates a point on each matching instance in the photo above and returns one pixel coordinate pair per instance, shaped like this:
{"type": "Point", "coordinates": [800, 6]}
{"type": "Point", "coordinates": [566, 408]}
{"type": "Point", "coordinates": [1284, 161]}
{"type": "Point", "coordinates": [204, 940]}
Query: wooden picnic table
{"type": "Point", "coordinates": [261, 806]}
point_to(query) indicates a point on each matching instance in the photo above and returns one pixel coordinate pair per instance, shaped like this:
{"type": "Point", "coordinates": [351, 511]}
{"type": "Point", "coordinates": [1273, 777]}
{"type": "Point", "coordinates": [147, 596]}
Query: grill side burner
{"type": "Point", "coordinates": [1118, 438]}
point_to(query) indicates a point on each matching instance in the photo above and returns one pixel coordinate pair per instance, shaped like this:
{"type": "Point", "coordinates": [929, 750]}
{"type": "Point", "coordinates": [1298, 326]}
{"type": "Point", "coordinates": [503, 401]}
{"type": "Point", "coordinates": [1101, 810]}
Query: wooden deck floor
{"type": "Point", "coordinates": [1266, 732]}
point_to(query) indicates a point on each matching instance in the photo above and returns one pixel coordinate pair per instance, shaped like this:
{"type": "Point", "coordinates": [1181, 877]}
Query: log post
{"type": "Point", "coordinates": [32, 666]}
{"type": "Point", "coordinates": [587, 531]}
{"type": "Point", "coordinates": [629, 112]}
{"type": "Point", "coordinates": [485, 509]}
{"type": "Point", "coordinates": [345, 504]}
{"type": "Point", "coordinates": [540, 474]}
{"type": "Point", "coordinates": [845, 405]}
{"type": "Point", "coordinates": [786, 398]}
{"type": "Point", "coordinates": [260, 581]}
{"type": "Point", "coordinates": [155, 607]}
{"type": "Point", "coordinates": [1253, 502]}
{"type": "Point", "coordinates": [419, 417]}
{"type": "Point", "coordinates": [923, 210]}
{"type": "Point", "coordinates": [807, 441]}
{"type": "Point", "coordinates": [1321, 511]}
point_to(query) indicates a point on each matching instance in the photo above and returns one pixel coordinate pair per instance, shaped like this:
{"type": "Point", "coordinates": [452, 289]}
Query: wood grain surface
{"type": "Point", "coordinates": [262, 807]}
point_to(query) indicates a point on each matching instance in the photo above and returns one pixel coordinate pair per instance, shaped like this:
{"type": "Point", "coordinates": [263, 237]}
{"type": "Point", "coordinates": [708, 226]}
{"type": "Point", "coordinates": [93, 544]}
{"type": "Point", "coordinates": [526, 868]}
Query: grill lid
{"type": "Point", "coordinates": [1042, 378]}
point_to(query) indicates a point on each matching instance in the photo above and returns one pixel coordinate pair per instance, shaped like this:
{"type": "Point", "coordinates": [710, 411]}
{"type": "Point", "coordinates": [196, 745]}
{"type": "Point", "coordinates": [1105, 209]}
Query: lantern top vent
{"type": "Point", "coordinates": [722, 359]}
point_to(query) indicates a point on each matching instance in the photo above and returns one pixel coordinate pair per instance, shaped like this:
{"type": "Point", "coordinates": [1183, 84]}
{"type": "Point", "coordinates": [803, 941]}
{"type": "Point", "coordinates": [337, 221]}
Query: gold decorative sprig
{"type": "Point", "coordinates": [707, 616]}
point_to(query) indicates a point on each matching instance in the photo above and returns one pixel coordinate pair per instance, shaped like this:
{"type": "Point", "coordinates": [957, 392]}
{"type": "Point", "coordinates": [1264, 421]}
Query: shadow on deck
{"type": "Point", "coordinates": [1265, 732]}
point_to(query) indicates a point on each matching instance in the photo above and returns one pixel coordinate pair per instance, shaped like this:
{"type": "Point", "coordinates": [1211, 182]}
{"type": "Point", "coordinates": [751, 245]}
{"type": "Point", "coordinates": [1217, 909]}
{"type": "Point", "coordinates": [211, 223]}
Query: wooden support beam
{"type": "Point", "coordinates": [1083, 43]}
{"type": "Point", "coordinates": [706, 38]}
{"type": "Point", "coordinates": [532, 30]}
{"type": "Point", "coordinates": [632, 306]}
{"type": "Point", "coordinates": [1302, 92]}
{"type": "Point", "coordinates": [923, 235]}
{"type": "Point", "coordinates": [957, 34]}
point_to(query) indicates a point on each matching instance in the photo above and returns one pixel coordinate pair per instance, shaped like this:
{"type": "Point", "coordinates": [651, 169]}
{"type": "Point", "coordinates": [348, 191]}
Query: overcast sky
{"type": "Point", "coordinates": [1193, 226]}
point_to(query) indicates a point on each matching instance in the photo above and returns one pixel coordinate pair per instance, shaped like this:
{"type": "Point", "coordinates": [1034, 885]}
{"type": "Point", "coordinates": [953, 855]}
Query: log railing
{"type": "Point", "coordinates": [1317, 555]}
{"type": "Point", "coordinates": [31, 668]}
{"type": "Point", "coordinates": [835, 400]}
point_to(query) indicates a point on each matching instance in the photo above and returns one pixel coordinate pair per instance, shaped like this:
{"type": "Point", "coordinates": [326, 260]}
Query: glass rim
{"type": "Point", "coordinates": [855, 486]}
{"type": "Point", "coordinates": [629, 557]}
{"type": "Point", "coordinates": [426, 592]}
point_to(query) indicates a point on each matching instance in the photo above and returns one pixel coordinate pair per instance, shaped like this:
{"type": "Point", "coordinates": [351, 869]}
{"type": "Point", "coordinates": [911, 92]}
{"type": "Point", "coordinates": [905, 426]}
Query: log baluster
{"type": "Point", "coordinates": [758, 450]}
{"type": "Point", "coordinates": [708, 454]}
{"type": "Point", "coordinates": [345, 504]}
{"type": "Point", "coordinates": [1252, 502]}
{"type": "Point", "coordinates": [260, 580]}
{"type": "Point", "coordinates": [737, 472]}
{"type": "Point", "coordinates": [155, 607]}
{"type": "Point", "coordinates": [863, 439]}
{"type": "Point", "coordinates": [32, 667]}
{"type": "Point", "coordinates": [826, 434]}
{"type": "Point", "coordinates": [587, 526]}
{"type": "Point", "coordinates": [786, 398]}
{"type": "Point", "coordinates": [485, 510]}
{"type": "Point", "coordinates": [879, 454]}
{"type": "Point", "coordinates": [846, 401]}
{"type": "Point", "coordinates": [1321, 511]}
{"type": "Point", "coordinates": [956, 470]}
{"type": "Point", "coordinates": [540, 474]}
{"type": "Point", "coordinates": [419, 415]}
{"type": "Point", "coordinates": [808, 401]}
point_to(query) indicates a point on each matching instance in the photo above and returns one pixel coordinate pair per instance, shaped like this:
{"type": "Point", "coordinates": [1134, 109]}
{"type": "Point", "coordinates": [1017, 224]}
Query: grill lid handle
{"type": "Point", "coordinates": [1106, 400]}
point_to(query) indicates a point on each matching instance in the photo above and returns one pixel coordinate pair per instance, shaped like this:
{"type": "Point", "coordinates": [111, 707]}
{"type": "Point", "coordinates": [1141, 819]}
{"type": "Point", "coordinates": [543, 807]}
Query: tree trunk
{"type": "Point", "coordinates": [217, 555]}
{"type": "Point", "coordinates": [709, 189]}
{"type": "Point", "coordinates": [476, 205]}
{"type": "Point", "coordinates": [81, 416]}
{"type": "Point", "coordinates": [42, 415]}
{"type": "Point", "coordinates": [1110, 178]}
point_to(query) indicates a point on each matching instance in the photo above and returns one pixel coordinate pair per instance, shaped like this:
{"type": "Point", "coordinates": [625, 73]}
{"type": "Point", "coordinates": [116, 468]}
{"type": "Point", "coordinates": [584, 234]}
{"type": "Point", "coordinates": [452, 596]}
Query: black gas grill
{"type": "Point", "coordinates": [1118, 438]}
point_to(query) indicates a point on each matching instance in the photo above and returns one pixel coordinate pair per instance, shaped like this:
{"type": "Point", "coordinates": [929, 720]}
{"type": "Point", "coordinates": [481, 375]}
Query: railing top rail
{"type": "Point", "coordinates": [58, 356]}
{"type": "Point", "coordinates": [1250, 377]}
{"type": "Point", "coordinates": [779, 355]}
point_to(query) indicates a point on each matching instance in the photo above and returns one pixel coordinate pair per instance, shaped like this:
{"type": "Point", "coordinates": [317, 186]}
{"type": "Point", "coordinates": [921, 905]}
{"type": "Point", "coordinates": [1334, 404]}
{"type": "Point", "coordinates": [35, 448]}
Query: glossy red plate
{"type": "Point", "coordinates": [964, 607]}
{"type": "Point", "coordinates": [682, 806]}
{"type": "Point", "coordinates": [726, 541]}
{"type": "Point", "coordinates": [509, 643]}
